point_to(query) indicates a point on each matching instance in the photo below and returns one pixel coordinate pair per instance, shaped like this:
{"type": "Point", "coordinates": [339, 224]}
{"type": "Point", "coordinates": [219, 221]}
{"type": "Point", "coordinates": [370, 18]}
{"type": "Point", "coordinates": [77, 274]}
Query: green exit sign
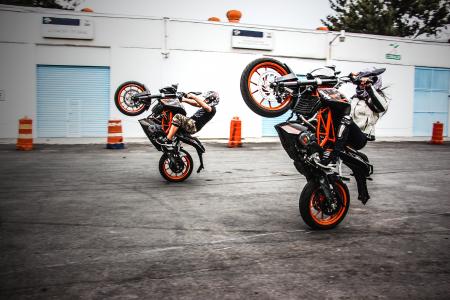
{"type": "Point", "coordinates": [393, 56]}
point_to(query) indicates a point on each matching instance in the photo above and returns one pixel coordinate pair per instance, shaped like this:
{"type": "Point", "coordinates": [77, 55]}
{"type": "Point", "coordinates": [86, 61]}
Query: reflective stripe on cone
{"type": "Point", "coordinates": [115, 138]}
{"type": "Point", "coordinates": [25, 139]}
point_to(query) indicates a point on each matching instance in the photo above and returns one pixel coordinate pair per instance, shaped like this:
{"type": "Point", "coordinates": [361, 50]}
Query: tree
{"type": "Point", "coordinates": [406, 18]}
{"type": "Point", "coordinates": [59, 4]}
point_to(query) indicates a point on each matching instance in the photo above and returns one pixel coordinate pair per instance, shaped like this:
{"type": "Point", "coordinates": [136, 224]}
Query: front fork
{"type": "Point", "coordinates": [329, 188]}
{"type": "Point", "coordinates": [175, 160]}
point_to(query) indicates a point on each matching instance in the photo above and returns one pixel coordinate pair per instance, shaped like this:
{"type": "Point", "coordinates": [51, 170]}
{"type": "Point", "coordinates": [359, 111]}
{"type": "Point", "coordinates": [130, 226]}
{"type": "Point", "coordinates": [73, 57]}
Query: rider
{"type": "Point", "coordinates": [196, 121]}
{"type": "Point", "coordinates": [370, 104]}
{"type": "Point", "coordinates": [356, 125]}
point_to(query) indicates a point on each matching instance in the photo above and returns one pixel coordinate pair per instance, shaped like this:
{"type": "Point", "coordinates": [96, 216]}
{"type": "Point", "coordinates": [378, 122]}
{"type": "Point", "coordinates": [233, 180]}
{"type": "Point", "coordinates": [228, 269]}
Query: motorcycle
{"type": "Point", "coordinates": [270, 88]}
{"type": "Point", "coordinates": [133, 98]}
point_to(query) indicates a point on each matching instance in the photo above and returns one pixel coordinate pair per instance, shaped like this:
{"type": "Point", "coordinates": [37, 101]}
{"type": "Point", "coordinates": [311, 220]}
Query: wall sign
{"type": "Point", "coordinates": [393, 53]}
{"type": "Point", "coordinates": [2, 95]}
{"type": "Point", "coordinates": [67, 28]}
{"type": "Point", "coordinates": [250, 39]}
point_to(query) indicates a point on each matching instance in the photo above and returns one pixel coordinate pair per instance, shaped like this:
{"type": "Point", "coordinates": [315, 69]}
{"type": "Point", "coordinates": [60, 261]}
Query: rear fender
{"type": "Point", "coordinates": [288, 68]}
{"type": "Point", "coordinates": [356, 163]}
{"type": "Point", "coordinates": [194, 142]}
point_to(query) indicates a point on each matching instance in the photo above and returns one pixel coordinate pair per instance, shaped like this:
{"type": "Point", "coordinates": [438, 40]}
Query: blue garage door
{"type": "Point", "coordinates": [269, 123]}
{"type": "Point", "coordinates": [431, 100]}
{"type": "Point", "coordinates": [72, 101]}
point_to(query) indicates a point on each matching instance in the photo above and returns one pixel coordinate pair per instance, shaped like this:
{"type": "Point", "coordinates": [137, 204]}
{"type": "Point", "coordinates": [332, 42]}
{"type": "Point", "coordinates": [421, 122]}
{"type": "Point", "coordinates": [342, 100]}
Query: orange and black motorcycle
{"type": "Point", "coordinates": [270, 89]}
{"type": "Point", "coordinates": [133, 98]}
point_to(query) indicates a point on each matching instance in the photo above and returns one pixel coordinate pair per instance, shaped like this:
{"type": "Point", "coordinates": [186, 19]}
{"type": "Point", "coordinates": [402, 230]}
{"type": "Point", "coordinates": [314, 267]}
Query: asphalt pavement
{"type": "Point", "coordinates": [83, 222]}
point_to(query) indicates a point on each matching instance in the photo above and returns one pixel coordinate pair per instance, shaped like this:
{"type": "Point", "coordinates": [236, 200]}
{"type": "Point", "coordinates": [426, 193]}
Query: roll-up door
{"type": "Point", "coordinates": [431, 99]}
{"type": "Point", "coordinates": [268, 128]}
{"type": "Point", "coordinates": [72, 101]}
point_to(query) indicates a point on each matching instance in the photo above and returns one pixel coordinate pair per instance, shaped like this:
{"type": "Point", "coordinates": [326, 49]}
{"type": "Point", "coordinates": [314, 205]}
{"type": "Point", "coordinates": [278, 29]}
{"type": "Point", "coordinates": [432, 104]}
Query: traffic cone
{"type": "Point", "coordinates": [115, 138]}
{"type": "Point", "coordinates": [235, 133]}
{"type": "Point", "coordinates": [438, 134]}
{"type": "Point", "coordinates": [25, 139]}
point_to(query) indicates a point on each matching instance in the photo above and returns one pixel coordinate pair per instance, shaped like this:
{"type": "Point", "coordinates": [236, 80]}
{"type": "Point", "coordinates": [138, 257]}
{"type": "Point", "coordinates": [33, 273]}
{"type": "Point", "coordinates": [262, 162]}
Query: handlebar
{"type": "Point", "coordinates": [303, 83]}
{"type": "Point", "coordinates": [146, 96]}
{"type": "Point", "coordinates": [318, 81]}
{"type": "Point", "coordinates": [288, 85]}
{"type": "Point", "coordinates": [178, 95]}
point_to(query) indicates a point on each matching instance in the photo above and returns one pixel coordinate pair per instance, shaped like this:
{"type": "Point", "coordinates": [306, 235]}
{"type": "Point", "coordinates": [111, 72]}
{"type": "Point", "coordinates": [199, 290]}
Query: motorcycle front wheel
{"type": "Point", "coordinates": [123, 98]}
{"type": "Point", "coordinates": [256, 91]}
{"type": "Point", "coordinates": [312, 209]}
{"type": "Point", "coordinates": [171, 173]}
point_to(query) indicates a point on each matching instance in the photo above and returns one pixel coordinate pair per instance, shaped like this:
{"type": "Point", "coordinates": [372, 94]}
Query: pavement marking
{"type": "Point", "coordinates": [163, 249]}
{"type": "Point", "coordinates": [254, 236]}
{"type": "Point", "coordinates": [221, 241]}
{"type": "Point", "coordinates": [403, 218]}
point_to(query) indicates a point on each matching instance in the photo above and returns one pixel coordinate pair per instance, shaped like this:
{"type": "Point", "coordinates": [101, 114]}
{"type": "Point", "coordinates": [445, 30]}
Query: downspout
{"type": "Point", "coordinates": [164, 51]}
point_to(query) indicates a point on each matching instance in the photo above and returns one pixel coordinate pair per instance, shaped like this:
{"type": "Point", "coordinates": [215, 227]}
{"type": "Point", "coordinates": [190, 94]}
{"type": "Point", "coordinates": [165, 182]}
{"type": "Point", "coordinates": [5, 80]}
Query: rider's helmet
{"type": "Point", "coordinates": [376, 82]}
{"type": "Point", "coordinates": [212, 98]}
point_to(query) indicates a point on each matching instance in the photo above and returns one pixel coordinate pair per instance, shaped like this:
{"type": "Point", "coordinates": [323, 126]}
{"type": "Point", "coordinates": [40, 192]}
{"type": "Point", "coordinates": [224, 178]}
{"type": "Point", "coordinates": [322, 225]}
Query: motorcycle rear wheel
{"type": "Point", "coordinates": [122, 98]}
{"type": "Point", "coordinates": [171, 175]}
{"type": "Point", "coordinates": [256, 90]}
{"type": "Point", "coordinates": [310, 210]}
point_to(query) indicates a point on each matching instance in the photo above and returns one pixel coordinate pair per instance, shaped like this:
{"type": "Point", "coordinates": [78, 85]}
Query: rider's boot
{"type": "Point", "coordinates": [164, 141]}
{"type": "Point", "coordinates": [363, 193]}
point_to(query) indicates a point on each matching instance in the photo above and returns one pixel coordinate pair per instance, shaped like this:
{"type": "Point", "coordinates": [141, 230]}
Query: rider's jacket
{"type": "Point", "coordinates": [367, 109]}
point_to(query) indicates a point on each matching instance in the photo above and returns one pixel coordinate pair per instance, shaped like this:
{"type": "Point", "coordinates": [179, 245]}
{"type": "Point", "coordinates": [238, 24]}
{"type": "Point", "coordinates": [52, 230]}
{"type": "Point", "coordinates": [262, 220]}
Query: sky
{"type": "Point", "coordinates": [286, 13]}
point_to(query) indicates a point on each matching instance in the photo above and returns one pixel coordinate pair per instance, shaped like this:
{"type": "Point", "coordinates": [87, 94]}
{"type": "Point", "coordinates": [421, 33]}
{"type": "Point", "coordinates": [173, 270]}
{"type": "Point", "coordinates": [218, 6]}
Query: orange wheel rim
{"type": "Point", "coordinates": [259, 80]}
{"type": "Point", "coordinates": [319, 216]}
{"type": "Point", "coordinates": [125, 94]}
{"type": "Point", "coordinates": [174, 175]}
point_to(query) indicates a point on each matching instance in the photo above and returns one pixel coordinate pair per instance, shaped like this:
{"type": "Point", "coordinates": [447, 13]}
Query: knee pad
{"type": "Point", "coordinates": [346, 120]}
{"type": "Point", "coordinates": [345, 123]}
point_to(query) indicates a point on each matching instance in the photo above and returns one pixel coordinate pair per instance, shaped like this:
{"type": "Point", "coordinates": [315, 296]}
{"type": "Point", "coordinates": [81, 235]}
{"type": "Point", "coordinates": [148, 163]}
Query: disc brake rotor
{"type": "Point", "coordinates": [127, 98]}
{"type": "Point", "coordinates": [177, 166]}
{"type": "Point", "coordinates": [264, 82]}
{"type": "Point", "coordinates": [328, 207]}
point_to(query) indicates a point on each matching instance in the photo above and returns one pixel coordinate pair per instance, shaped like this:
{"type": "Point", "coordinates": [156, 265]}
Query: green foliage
{"type": "Point", "coordinates": [59, 4]}
{"type": "Point", "coordinates": [391, 17]}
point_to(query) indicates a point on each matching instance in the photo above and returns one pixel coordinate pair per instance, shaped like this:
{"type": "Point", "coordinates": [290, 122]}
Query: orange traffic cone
{"type": "Point", "coordinates": [25, 139]}
{"type": "Point", "coordinates": [235, 133]}
{"type": "Point", "coordinates": [115, 138]}
{"type": "Point", "coordinates": [438, 134]}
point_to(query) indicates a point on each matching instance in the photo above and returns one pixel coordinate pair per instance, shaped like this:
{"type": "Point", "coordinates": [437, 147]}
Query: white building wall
{"type": "Point", "coordinates": [200, 58]}
{"type": "Point", "coordinates": [373, 49]}
{"type": "Point", "coordinates": [18, 82]}
{"type": "Point", "coordinates": [72, 55]}
{"type": "Point", "coordinates": [138, 64]}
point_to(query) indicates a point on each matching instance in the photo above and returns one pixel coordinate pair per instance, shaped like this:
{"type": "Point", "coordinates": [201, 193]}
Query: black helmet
{"type": "Point", "coordinates": [375, 76]}
{"type": "Point", "coordinates": [212, 98]}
